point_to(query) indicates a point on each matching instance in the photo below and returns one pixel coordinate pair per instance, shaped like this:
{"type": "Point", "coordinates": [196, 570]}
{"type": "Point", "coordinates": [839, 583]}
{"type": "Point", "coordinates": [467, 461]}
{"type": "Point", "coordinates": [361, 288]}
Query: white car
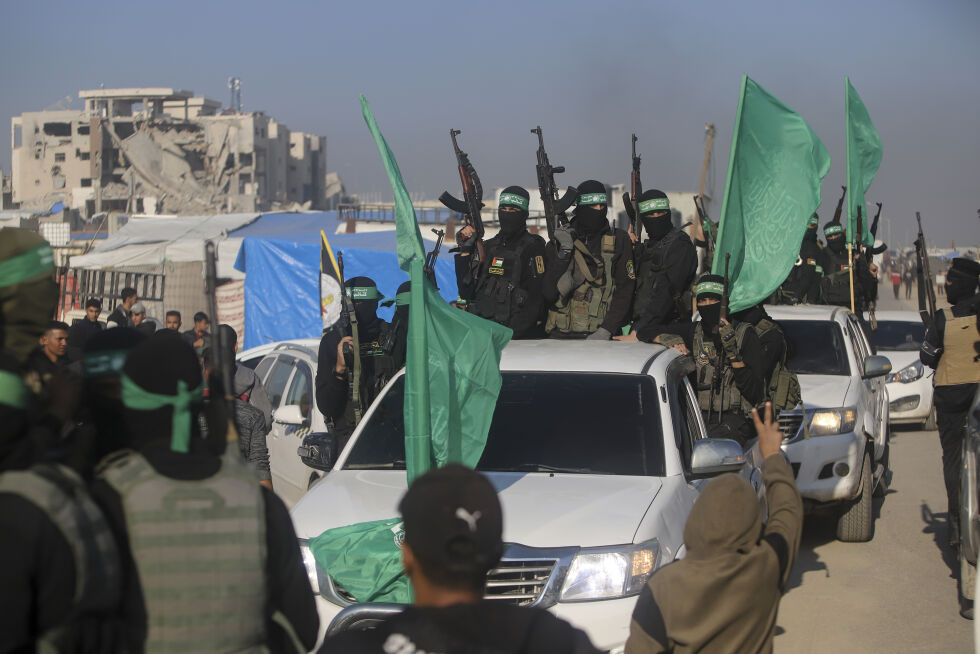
{"type": "Point", "coordinates": [899, 336]}
{"type": "Point", "coordinates": [839, 453]}
{"type": "Point", "coordinates": [598, 452]}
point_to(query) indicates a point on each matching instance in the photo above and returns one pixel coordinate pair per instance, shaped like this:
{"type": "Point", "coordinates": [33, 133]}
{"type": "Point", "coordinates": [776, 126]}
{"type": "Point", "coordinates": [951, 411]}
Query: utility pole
{"type": "Point", "coordinates": [709, 139]}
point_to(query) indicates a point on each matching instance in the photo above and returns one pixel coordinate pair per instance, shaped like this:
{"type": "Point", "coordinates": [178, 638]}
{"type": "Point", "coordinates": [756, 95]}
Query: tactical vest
{"type": "Point", "coordinates": [784, 386]}
{"type": "Point", "coordinates": [584, 311]}
{"type": "Point", "coordinates": [958, 364]}
{"type": "Point", "coordinates": [378, 366]}
{"type": "Point", "coordinates": [651, 269]}
{"type": "Point", "coordinates": [835, 286]}
{"type": "Point", "coordinates": [726, 395]}
{"type": "Point", "coordinates": [199, 551]}
{"type": "Point", "coordinates": [498, 294]}
{"type": "Point", "coordinates": [60, 494]}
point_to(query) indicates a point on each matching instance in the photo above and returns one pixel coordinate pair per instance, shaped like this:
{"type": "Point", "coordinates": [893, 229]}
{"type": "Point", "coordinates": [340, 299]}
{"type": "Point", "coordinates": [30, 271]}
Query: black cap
{"type": "Point", "coordinates": [963, 267]}
{"type": "Point", "coordinates": [453, 520]}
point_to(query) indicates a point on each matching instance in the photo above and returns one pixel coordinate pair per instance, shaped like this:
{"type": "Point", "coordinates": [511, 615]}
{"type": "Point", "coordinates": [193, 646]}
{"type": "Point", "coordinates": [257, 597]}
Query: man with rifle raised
{"type": "Point", "coordinates": [952, 348]}
{"type": "Point", "coordinates": [836, 284]}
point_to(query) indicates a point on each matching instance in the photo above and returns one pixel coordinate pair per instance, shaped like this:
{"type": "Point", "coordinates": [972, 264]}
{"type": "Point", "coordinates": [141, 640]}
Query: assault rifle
{"type": "Point", "coordinates": [927, 294]}
{"type": "Point", "coordinates": [857, 255]}
{"type": "Point", "coordinates": [220, 375]}
{"type": "Point", "coordinates": [352, 353]}
{"type": "Point", "coordinates": [716, 379]}
{"type": "Point", "coordinates": [709, 241]}
{"type": "Point", "coordinates": [554, 206]}
{"type": "Point", "coordinates": [631, 200]}
{"type": "Point", "coordinates": [472, 201]}
{"type": "Point", "coordinates": [871, 251]}
{"type": "Point", "coordinates": [431, 257]}
{"type": "Point", "coordinates": [840, 205]}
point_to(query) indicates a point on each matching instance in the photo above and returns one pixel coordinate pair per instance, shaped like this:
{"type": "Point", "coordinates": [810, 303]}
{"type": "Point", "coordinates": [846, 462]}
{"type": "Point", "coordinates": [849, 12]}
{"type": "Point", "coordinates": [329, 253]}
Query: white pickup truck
{"type": "Point", "coordinates": [598, 452]}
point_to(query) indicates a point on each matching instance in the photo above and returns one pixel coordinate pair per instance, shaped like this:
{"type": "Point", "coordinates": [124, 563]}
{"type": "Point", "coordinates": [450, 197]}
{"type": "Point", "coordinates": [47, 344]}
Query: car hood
{"type": "Point", "coordinates": [900, 358]}
{"type": "Point", "coordinates": [540, 509]}
{"type": "Point", "coordinates": [824, 390]}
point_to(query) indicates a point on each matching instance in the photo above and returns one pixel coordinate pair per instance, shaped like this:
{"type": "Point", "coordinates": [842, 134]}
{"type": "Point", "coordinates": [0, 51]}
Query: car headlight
{"type": "Point", "coordinates": [312, 569]}
{"type": "Point", "coordinates": [610, 572]}
{"type": "Point", "coordinates": [826, 422]}
{"type": "Point", "coordinates": [908, 374]}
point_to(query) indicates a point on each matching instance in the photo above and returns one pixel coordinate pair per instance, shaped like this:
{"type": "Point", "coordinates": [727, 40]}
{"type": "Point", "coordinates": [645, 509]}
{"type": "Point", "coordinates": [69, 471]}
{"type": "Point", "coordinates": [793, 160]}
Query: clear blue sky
{"type": "Point", "coordinates": [589, 73]}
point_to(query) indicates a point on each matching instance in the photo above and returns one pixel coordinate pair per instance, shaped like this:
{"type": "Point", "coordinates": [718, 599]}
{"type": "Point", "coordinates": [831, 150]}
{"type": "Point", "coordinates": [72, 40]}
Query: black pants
{"type": "Point", "coordinates": [952, 407]}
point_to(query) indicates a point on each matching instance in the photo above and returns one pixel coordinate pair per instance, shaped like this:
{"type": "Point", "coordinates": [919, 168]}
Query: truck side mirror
{"type": "Point", "coordinates": [319, 450]}
{"type": "Point", "coordinates": [713, 456]}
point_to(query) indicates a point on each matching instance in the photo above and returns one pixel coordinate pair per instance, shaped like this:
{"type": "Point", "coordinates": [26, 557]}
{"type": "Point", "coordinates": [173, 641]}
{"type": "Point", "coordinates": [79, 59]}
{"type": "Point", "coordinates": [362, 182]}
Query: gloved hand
{"type": "Point", "coordinates": [727, 334]}
{"type": "Point", "coordinates": [466, 239]}
{"type": "Point", "coordinates": [565, 236]}
{"type": "Point", "coordinates": [601, 334]}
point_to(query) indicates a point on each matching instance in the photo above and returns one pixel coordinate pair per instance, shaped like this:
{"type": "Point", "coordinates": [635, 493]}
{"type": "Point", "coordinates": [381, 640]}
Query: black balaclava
{"type": "Point", "coordinates": [712, 287]}
{"type": "Point", "coordinates": [962, 278]}
{"type": "Point", "coordinates": [834, 233]}
{"type": "Point", "coordinates": [402, 304]}
{"type": "Point", "coordinates": [652, 202]}
{"type": "Point", "coordinates": [102, 360]}
{"type": "Point", "coordinates": [364, 293]}
{"type": "Point", "coordinates": [513, 223]}
{"type": "Point", "coordinates": [589, 220]}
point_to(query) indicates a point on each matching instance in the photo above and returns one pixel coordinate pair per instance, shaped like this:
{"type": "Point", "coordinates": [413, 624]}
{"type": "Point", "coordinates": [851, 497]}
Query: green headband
{"type": "Point", "coordinates": [13, 391]}
{"type": "Point", "coordinates": [403, 299]}
{"type": "Point", "coordinates": [710, 287]}
{"type": "Point", "coordinates": [830, 230]}
{"type": "Point", "coordinates": [655, 204]}
{"type": "Point", "coordinates": [513, 200]}
{"type": "Point", "coordinates": [364, 293]}
{"type": "Point", "coordinates": [591, 198]}
{"type": "Point", "coordinates": [134, 397]}
{"type": "Point", "coordinates": [26, 265]}
{"type": "Point", "coordinates": [103, 363]}
{"type": "Point", "coordinates": [813, 220]}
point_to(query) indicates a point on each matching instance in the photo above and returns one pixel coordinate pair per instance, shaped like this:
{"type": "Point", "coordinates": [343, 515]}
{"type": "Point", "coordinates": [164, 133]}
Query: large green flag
{"type": "Point", "coordinates": [863, 160]}
{"type": "Point", "coordinates": [773, 187]}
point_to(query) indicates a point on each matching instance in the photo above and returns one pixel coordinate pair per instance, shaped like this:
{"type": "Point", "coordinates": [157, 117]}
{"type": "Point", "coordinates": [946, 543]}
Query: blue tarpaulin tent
{"type": "Point", "coordinates": [280, 256]}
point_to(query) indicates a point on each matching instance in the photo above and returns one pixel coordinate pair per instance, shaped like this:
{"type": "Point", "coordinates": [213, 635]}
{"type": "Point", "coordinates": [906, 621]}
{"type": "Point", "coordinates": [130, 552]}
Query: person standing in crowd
{"type": "Point", "coordinates": [802, 285]}
{"type": "Point", "coordinates": [665, 267]}
{"type": "Point", "coordinates": [951, 348]}
{"type": "Point", "coordinates": [120, 315]}
{"type": "Point", "coordinates": [453, 526]}
{"type": "Point", "coordinates": [589, 277]}
{"type": "Point", "coordinates": [50, 356]}
{"type": "Point", "coordinates": [198, 337]}
{"type": "Point", "coordinates": [505, 286]}
{"type": "Point", "coordinates": [940, 283]}
{"type": "Point", "coordinates": [396, 342]}
{"type": "Point", "coordinates": [138, 315]}
{"type": "Point", "coordinates": [172, 321]}
{"type": "Point", "coordinates": [907, 277]}
{"type": "Point", "coordinates": [835, 287]}
{"type": "Point", "coordinates": [232, 571]}
{"type": "Point", "coordinates": [723, 596]}
{"type": "Point", "coordinates": [896, 282]}
{"type": "Point", "coordinates": [340, 397]}
{"type": "Point", "coordinates": [247, 386]}
{"type": "Point", "coordinates": [85, 328]}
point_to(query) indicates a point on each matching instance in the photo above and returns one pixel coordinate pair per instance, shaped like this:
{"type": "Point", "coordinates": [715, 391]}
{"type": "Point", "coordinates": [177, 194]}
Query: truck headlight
{"type": "Point", "coordinates": [610, 572]}
{"type": "Point", "coordinates": [908, 374]}
{"type": "Point", "coordinates": [312, 569]}
{"type": "Point", "coordinates": [826, 422]}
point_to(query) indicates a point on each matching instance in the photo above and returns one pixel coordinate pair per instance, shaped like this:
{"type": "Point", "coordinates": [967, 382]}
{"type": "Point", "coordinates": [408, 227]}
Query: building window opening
{"type": "Point", "coordinates": [82, 130]}
{"type": "Point", "coordinates": [86, 182]}
{"type": "Point", "coordinates": [59, 156]}
{"type": "Point", "coordinates": [57, 129]}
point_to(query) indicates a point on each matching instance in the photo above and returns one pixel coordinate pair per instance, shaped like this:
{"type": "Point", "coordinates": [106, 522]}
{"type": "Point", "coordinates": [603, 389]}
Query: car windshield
{"type": "Point", "coordinates": [600, 423]}
{"type": "Point", "coordinates": [899, 335]}
{"type": "Point", "coordinates": [816, 347]}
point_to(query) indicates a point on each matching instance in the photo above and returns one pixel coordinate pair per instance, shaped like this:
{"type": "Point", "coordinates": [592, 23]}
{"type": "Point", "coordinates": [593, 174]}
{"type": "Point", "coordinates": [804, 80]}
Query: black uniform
{"type": "Point", "coordinates": [836, 284]}
{"type": "Point", "coordinates": [772, 341]}
{"type": "Point", "coordinates": [957, 372]}
{"type": "Point", "coordinates": [120, 316]}
{"type": "Point", "coordinates": [802, 285]}
{"type": "Point", "coordinates": [506, 286]}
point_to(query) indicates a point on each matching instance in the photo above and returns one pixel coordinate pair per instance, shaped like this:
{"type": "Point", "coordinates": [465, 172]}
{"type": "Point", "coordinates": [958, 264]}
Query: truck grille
{"type": "Point", "coordinates": [789, 424]}
{"type": "Point", "coordinates": [520, 583]}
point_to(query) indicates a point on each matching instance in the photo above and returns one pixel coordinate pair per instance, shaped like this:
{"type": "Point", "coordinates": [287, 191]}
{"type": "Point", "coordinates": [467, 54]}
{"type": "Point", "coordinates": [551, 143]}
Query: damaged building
{"type": "Point", "coordinates": [162, 151]}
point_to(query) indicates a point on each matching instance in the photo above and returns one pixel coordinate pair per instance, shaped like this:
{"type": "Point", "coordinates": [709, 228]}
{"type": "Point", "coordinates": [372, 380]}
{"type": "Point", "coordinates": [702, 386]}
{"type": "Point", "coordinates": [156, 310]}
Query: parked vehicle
{"type": "Point", "coordinates": [598, 452]}
{"type": "Point", "coordinates": [899, 336]}
{"type": "Point", "coordinates": [837, 443]}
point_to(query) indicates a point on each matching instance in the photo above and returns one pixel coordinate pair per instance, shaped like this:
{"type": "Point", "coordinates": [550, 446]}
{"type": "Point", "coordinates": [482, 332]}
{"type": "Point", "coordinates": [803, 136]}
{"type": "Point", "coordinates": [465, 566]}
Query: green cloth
{"type": "Point", "coordinates": [403, 299]}
{"type": "Point", "coordinates": [372, 552]}
{"type": "Point", "coordinates": [513, 199]}
{"type": "Point", "coordinates": [27, 265]}
{"type": "Point", "coordinates": [135, 397]}
{"type": "Point", "coordinates": [13, 391]}
{"type": "Point", "coordinates": [592, 198]}
{"type": "Point", "coordinates": [775, 169]}
{"type": "Point", "coordinates": [654, 204]}
{"type": "Point", "coordinates": [863, 160]}
{"type": "Point", "coordinates": [364, 293]}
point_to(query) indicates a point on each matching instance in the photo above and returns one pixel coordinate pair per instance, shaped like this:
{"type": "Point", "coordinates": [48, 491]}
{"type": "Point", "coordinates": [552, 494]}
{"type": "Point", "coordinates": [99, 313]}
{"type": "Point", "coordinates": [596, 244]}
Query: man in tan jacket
{"type": "Point", "coordinates": [724, 595]}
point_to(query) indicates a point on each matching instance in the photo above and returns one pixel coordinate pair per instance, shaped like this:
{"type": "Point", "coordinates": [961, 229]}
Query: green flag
{"type": "Point", "coordinates": [773, 187]}
{"type": "Point", "coordinates": [863, 160]}
{"type": "Point", "coordinates": [452, 369]}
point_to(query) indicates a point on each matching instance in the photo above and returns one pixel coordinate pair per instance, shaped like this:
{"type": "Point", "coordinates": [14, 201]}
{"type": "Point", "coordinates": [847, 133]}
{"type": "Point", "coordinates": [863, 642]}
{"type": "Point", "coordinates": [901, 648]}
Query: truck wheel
{"type": "Point", "coordinates": [856, 521]}
{"type": "Point", "coordinates": [930, 423]}
{"type": "Point", "coordinates": [968, 576]}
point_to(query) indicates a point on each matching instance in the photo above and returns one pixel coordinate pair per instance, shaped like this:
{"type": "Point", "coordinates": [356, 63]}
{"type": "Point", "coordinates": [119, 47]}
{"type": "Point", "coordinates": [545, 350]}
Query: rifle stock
{"type": "Point", "coordinates": [636, 188]}
{"type": "Point", "coordinates": [926, 293]}
{"type": "Point", "coordinates": [352, 354]}
{"type": "Point", "coordinates": [432, 257]}
{"type": "Point", "coordinates": [472, 203]}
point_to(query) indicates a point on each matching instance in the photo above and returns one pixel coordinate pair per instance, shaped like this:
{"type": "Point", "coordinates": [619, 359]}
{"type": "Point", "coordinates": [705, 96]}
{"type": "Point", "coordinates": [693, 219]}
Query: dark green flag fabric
{"type": "Point", "coordinates": [863, 160]}
{"type": "Point", "coordinates": [775, 169]}
{"type": "Point", "coordinates": [365, 559]}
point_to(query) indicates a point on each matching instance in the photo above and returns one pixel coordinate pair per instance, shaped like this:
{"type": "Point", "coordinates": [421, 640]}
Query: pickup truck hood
{"type": "Point", "coordinates": [824, 390]}
{"type": "Point", "coordinates": [540, 509]}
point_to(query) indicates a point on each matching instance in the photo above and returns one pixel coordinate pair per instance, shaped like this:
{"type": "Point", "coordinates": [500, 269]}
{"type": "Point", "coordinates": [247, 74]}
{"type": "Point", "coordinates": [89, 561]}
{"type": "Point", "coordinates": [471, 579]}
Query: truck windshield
{"type": "Point", "coordinates": [899, 335]}
{"type": "Point", "coordinates": [598, 423]}
{"type": "Point", "coordinates": [816, 347]}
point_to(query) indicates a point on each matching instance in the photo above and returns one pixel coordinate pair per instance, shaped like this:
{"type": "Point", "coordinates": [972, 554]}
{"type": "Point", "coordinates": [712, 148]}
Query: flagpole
{"type": "Point", "coordinates": [715, 264]}
{"type": "Point", "coordinates": [850, 271]}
